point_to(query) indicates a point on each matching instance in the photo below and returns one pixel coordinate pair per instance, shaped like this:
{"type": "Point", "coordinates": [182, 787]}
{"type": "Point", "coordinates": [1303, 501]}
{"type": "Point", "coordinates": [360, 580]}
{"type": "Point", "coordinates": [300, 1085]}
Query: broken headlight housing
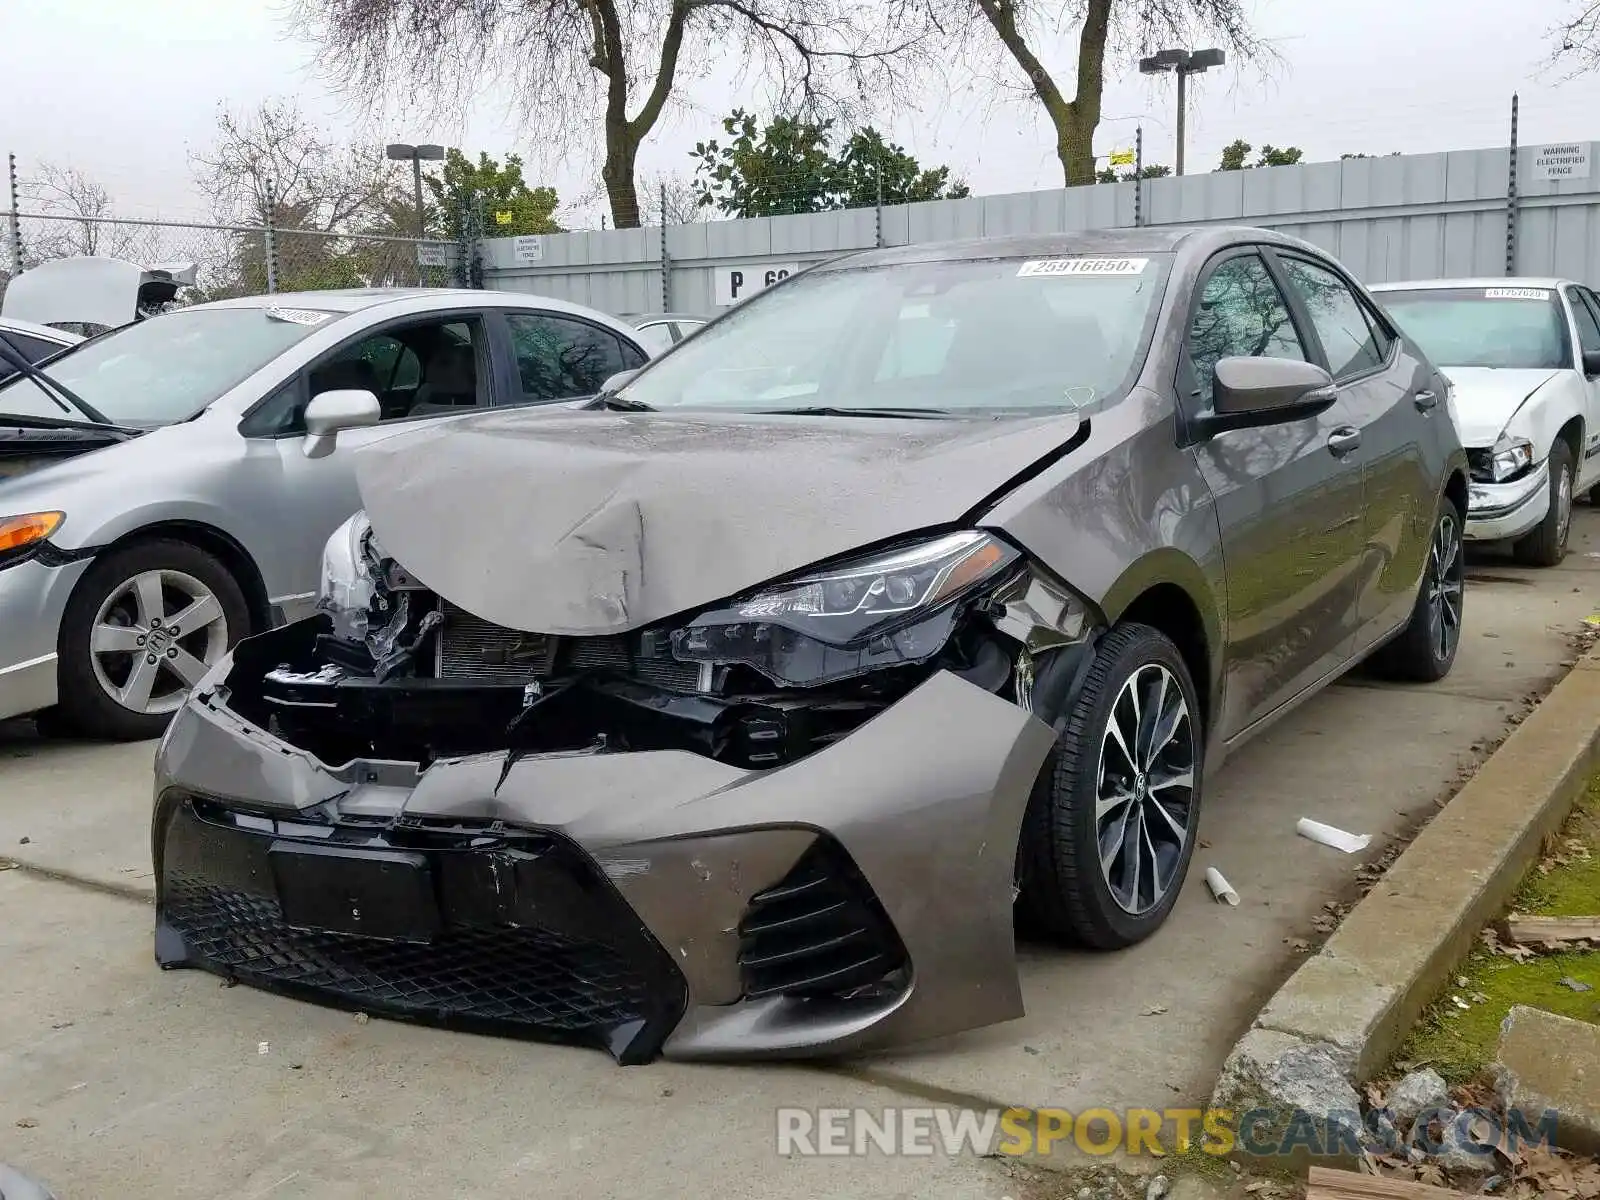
{"type": "Point", "coordinates": [892, 608]}
{"type": "Point", "coordinates": [1509, 458]}
{"type": "Point", "coordinates": [349, 578]}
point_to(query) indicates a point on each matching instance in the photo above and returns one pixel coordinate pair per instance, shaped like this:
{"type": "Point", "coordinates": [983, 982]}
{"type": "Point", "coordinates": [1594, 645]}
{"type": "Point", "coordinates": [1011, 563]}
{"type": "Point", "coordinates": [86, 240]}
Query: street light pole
{"type": "Point", "coordinates": [1182, 63]}
{"type": "Point", "coordinates": [400, 152]}
{"type": "Point", "coordinates": [1183, 79]}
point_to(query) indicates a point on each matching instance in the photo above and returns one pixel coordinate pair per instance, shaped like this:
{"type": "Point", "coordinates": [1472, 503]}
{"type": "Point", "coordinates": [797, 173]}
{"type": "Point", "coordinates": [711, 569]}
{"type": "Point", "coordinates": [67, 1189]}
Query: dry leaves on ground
{"type": "Point", "coordinates": [1495, 944]}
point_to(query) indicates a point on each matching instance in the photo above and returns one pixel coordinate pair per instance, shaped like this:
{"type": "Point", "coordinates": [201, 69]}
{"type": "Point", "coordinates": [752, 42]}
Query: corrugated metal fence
{"type": "Point", "coordinates": [1396, 217]}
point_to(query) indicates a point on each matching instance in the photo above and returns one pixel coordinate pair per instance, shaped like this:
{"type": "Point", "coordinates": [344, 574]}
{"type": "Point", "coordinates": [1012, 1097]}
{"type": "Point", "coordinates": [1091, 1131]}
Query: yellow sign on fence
{"type": "Point", "coordinates": [505, 216]}
{"type": "Point", "coordinates": [1122, 158]}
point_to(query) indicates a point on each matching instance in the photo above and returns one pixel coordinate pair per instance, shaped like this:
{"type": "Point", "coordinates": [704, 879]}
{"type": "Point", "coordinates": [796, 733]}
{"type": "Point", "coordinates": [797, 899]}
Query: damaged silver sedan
{"type": "Point", "coordinates": [747, 708]}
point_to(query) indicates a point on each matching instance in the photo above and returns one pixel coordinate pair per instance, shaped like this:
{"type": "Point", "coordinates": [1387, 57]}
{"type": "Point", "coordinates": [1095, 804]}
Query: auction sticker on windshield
{"type": "Point", "coordinates": [1513, 293]}
{"type": "Point", "coordinates": [1083, 266]}
{"type": "Point", "coordinates": [300, 316]}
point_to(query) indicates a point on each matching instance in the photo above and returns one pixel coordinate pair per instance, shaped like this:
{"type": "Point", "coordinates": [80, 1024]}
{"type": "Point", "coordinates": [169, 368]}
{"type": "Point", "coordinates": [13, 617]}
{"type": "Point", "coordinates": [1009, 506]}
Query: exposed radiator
{"type": "Point", "coordinates": [472, 648]}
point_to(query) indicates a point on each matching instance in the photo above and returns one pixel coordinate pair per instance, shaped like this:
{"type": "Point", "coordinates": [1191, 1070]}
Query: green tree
{"type": "Point", "coordinates": [488, 191]}
{"type": "Point", "coordinates": [1391, 154]}
{"type": "Point", "coordinates": [1148, 171]}
{"type": "Point", "coordinates": [1236, 153]}
{"type": "Point", "coordinates": [790, 165]}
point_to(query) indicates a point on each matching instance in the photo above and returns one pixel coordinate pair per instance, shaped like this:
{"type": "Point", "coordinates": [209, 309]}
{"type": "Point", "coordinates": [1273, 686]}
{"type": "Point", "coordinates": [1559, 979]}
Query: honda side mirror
{"type": "Point", "coordinates": [330, 412]}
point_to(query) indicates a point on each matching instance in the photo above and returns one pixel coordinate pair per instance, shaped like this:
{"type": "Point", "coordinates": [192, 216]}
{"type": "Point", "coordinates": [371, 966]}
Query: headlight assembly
{"type": "Point", "coordinates": [349, 582]}
{"type": "Point", "coordinates": [887, 609]}
{"type": "Point", "coordinates": [1510, 458]}
{"type": "Point", "coordinates": [22, 535]}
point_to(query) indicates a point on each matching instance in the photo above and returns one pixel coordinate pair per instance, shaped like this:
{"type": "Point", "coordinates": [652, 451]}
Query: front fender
{"type": "Point", "coordinates": [1547, 411]}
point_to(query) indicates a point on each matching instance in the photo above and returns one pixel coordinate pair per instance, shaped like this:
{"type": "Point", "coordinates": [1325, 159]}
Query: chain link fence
{"type": "Point", "coordinates": [241, 260]}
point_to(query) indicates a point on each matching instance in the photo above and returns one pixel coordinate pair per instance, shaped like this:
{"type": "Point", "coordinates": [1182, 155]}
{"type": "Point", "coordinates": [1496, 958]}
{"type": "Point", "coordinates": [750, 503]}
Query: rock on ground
{"type": "Point", "coordinates": [1549, 1063]}
{"type": "Point", "coordinates": [1419, 1090]}
{"type": "Point", "coordinates": [1293, 1080]}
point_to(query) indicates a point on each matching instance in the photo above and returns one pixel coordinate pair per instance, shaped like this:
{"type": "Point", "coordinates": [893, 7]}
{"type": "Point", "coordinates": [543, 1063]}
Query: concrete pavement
{"type": "Point", "coordinates": [176, 1100]}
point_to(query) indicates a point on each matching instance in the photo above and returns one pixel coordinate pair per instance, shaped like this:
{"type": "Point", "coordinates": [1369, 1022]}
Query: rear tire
{"type": "Point", "coordinates": [1546, 546]}
{"type": "Point", "coordinates": [121, 676]}
{"type": "Point", "coordinates": [1108, 835]}
{"type": "Point", "coordinates": [1425, 649]}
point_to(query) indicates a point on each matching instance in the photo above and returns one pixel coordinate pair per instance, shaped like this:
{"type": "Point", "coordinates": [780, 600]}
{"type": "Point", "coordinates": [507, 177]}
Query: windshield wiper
{"type": "Point", "coordinates": [617, 402]}
{"type": "Point", "coordinates": [824, 410]}
{"type": "Point", "coordinates": [64, 397]}
{"type": "Point", "coordinates": [24, 421]}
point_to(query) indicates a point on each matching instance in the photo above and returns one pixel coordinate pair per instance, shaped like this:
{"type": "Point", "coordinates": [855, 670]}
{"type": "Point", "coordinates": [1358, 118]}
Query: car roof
{"type": "Point", "coordinates": [352, 300]}
{"type": "Point", "coordinates": [1484, 281]}
{"type": "Point", "coordinates": [653, 318]}
{"type": "Point", "coordinates": [1163, 239]}
{"type": "Point", "coordinates": [48, 332]}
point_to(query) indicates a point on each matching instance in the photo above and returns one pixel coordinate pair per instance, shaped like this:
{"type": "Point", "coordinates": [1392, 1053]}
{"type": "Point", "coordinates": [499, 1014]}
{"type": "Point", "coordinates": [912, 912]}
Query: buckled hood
{"type": "Point", "coordinates": [1488, 397]}
{"type": "Point", "coordinates": [595, 522]}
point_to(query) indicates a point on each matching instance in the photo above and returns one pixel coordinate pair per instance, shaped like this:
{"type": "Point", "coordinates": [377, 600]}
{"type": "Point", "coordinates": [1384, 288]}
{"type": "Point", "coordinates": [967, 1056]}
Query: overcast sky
{"type": "Point", "coordinates": [123, 89]}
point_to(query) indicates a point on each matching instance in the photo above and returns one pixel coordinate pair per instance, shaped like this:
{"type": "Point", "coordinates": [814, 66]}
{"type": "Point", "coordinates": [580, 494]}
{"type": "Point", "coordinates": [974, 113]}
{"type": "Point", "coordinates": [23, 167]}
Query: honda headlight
{"type": "Point", "coordinates": [349, 580]}
{"type": "Point", "coordinates": [888, 609]}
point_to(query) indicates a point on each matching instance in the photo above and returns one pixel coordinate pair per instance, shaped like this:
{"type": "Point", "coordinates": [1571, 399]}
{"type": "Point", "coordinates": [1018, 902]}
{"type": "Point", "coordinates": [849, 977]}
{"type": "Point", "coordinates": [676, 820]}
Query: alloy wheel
{"type": "Point", "coordinates": [154, 638]}
{"type": "Point", "coordinates": [1446, 578]}
{"type": "Point", "coordinates": [1144, 798]}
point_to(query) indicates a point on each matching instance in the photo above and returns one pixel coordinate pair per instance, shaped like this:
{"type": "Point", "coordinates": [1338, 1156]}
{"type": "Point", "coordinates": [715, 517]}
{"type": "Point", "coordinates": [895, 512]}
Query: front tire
{"type": "Point", "coordinates": [1425, 650]}
{"type": "Point", "coordinates": [1546, 546]}
{"type": "Point", "coordinates": [1112, 821]}
{"type": "Point", "coordinates": [143, 625]}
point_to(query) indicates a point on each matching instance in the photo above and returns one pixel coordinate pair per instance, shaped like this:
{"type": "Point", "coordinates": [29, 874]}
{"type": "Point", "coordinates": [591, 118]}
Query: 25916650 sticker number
{"type": "Point", "coordinates": [1082, 266]}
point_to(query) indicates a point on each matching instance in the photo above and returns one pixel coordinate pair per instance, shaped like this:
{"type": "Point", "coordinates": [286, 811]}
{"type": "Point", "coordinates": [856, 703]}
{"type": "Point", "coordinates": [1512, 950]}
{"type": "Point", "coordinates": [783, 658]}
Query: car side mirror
{"type": "Point", "coordinates": [1250, 392]}
{"type": "Point", "coordinates": [618, 381]}
{"type": "Point", "coordinates": [1591, 363]}
{"type": "Point", "coordinates": [330, 412]}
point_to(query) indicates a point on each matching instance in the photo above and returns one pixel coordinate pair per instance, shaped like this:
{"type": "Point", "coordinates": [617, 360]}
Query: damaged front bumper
{"type": "Point", "coordinates": [654, 901]}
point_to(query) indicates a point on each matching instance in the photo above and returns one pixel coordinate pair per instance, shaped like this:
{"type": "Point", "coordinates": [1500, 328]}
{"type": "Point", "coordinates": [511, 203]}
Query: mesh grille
{"type": "Point", "coordinates": [524, 977]}
{"type": "Point", "coordinates": [472, 648]}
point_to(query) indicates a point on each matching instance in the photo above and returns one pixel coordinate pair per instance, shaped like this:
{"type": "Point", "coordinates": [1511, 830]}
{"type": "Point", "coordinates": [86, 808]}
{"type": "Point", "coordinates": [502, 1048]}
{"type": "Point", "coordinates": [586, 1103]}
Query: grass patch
{"type": "Point", "coordinates": [1459, 1043]}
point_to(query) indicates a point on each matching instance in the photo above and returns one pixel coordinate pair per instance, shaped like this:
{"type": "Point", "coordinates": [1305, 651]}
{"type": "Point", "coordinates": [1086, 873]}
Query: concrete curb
{"type": "Point", "coordinates": [1341, 1015]}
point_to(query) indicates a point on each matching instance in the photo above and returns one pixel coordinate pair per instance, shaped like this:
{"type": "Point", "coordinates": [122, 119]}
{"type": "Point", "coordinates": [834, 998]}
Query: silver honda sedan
{"type": "Point", "coordinates": [168, 488]}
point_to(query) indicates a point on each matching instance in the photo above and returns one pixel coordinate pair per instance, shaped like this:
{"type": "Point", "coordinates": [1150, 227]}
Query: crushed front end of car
{"type": "Point", "coordinates": [782, 824]}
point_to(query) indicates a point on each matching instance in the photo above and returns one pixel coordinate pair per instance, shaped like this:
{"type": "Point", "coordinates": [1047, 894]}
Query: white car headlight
{"type": "Point", "coordinates": [348, 583]}
{"type": "Point", "coordinates": [1510, 458]}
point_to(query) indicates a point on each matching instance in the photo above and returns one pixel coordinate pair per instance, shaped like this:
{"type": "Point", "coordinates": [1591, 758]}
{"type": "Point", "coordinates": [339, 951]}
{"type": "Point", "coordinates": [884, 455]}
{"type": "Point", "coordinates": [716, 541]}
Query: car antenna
{"type": "Point", "coordinates": [14, 358]}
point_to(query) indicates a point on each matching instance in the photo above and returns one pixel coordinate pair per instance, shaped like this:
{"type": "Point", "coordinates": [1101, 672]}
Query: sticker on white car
{"type": "Point", "coordinates": [1083, 266]}
{"type": "Point", "coordinates": [1516, 293]}
{"type": "Point", "coordinates": [300, 316]}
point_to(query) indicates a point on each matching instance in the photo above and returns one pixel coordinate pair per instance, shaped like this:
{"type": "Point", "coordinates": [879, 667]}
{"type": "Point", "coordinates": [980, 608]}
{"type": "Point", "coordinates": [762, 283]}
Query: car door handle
{"type": "Point", "coordinates": [1425, 400]}
{"type": "Point", "coordinates": [1342, 441]}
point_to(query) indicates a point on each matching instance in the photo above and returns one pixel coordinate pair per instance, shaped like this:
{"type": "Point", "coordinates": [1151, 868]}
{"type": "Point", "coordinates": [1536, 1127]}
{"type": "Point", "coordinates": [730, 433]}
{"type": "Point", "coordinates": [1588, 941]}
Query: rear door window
{"type": "Point", "coordinates": [1341, 323]}
{"type": "Point", "coordinates": [561, 358]}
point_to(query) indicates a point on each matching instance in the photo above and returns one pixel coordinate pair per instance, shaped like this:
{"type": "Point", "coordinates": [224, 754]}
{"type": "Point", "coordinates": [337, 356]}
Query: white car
{"type": "Point", "coordinates": [33, 341]}
{"type": "Point", "coordinates": [1523, 358]}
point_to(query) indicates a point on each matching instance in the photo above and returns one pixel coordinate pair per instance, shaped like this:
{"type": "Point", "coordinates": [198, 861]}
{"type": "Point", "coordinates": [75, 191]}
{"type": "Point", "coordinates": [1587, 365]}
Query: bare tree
{"type": "Point", "coordinates": [315, 183]}
{"type": "Point", "coordinates": [1010, 35]}
{"type": "Point", "coordinates": [1576, 40]}
{"type": "Point", "coordinates": [80, 216]}
{"type": "Point", "coordinates": [668, 199]}
{"type": "Point", "coordinates": [321, 192]}
{"type": "Point", "coordinates": [575, 65]}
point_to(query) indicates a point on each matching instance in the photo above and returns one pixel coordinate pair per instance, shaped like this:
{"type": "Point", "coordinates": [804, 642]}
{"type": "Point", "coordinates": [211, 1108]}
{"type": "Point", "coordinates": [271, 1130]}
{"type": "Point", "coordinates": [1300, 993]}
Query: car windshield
{"type": "Point", "coordinates": [1485, 326]}
{"type": "Point", "coordinates": [164, 369]}
{"type": "Point", "coordinates": [968, 337]}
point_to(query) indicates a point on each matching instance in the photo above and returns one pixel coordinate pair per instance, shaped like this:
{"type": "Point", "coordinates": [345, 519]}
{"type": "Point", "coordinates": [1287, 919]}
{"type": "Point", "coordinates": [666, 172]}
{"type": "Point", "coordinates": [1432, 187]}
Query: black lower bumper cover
{"type": "Point", "coordinates": [478, 927]}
